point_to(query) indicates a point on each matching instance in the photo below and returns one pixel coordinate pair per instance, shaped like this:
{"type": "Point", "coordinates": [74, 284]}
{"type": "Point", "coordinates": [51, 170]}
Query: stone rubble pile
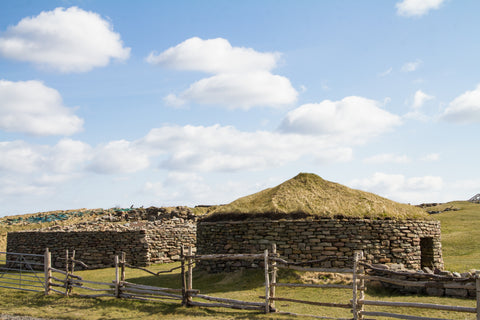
{"type": "Point", "coordinates": [427, 281]}
{"type": "Point", "coordinates": [133, 219]}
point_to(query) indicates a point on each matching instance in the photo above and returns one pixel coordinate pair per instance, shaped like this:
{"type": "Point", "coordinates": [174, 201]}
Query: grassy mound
{"type": "Point", "coordinates": [309, 195]}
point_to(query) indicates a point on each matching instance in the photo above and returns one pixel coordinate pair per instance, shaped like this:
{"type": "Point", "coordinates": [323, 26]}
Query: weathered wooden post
{"type": "Point", "coordinates": [117, 278]}
{"type": "Point", "coordinates": [184, 280]}
{"type": "Point", "coordinates": [356, 308]}
{"type": "Point", "coordinates": [190, 274]}
{"type": "Point", "coordinates": [123, 262]}
{"type": "Point", "coordinates": [267, 282]}
{"type": "Point", "coordinates": [274, 278]}
{"type": "Point", "coordinates": [361, 284]}
{"type": "Point", "coordinates": [67, 274]}
{"type": "Point", "coordinates": [477, 276]}
{"type": "Point", "coordinates": [47, 265]}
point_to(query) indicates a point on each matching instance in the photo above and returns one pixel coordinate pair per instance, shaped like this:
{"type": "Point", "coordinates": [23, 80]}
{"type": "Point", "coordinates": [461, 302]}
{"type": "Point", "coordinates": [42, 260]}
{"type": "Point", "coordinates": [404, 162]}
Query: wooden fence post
{"type": "Point", "coordinates": [190, 274]}
{"type": "Point", "coordinates": [477, 274]}
{"type": "Point", "coordinates": [361, 284]}
{"type": "Point", "coordinates": [47, 265]}
{"type": "Point", "coordinates": [274, 278]}
{"type": "Point", "coordinates": [267, 282]}
{"type": "Point", "coordinates": [117, 278]}
{"type": "Point", "coordinates": [67, 274]}
{"type": "Point", "coordinates": [355, 306]}
{"type": "Point", "coordinates": [122, 264]}
{"type": "Point", "coordinates": [184, 280]}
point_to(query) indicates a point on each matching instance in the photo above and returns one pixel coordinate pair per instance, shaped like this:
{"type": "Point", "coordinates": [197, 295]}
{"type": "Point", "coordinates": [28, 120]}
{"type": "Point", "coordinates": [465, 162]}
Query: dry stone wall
{"type": "Point", "coordinates": [144, 242]}
{"type": "Point", "coordinates": [97, 249]}
{"type": "Point", "coordinates": [382, 241]}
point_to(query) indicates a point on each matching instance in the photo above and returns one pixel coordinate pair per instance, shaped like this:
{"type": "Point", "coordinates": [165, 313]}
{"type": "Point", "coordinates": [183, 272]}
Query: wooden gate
{"type": "Point", "coordinates": [23, 271]}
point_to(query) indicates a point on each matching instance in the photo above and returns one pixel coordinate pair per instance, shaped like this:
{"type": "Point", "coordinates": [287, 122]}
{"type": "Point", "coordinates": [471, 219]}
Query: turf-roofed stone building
{"type": "Point", "coordinates": [309, 218]}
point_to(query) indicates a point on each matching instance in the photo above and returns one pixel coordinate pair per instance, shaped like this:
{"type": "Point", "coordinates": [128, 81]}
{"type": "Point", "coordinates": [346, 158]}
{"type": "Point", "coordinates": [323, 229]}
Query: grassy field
{"type": "Point", "coordinates": [461, 250]}
{"type": "Point", "coordinates": [460, 235]}
{"type": "Point", "coordinates": [244, 285]}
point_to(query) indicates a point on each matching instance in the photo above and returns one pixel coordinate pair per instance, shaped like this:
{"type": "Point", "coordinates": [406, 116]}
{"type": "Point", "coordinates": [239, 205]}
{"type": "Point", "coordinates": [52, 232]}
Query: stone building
{"type": "Point", "coordinates": [310, 218]}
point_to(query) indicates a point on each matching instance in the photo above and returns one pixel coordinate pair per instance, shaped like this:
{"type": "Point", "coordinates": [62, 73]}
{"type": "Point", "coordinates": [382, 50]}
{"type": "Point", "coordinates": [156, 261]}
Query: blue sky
{"type": "Point", "coordinates": [120, 103]}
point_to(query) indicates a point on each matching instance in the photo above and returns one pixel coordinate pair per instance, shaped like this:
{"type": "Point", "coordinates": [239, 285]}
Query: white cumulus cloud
{"type": "Point", "coordinates": [352, 118]}
{"type": "Point", "coordinates": [33, 108]}
{"type": "Point", "coordinates": [241, 77]}
{"type": "Point", "coordinates": [401, 188]}
{"type": "Point", "coordinates": [224, 148]}
{"type": "Point", "coordinates": [214, 56]}
{"type": "Point", "coordinates": [420, 98]}
{"type": "Point", "coordinates": [240, 90]}
{"type": "Point", "coordinates": [119, 156]}
{"type": "Point", "coordinates": [411, 66]}
{"type": "Point", "coordinates": [465, 108]}
{"type": "Point", "coordinates": [66, 40]}
{"type": "Point", "coordinates": [417, 8]}
{"type": "Point", "coordinates": [387, 158]}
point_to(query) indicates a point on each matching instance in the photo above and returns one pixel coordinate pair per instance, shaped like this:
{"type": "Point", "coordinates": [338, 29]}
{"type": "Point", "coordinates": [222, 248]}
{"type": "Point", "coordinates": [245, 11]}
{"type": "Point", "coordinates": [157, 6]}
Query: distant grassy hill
{"type": "Point", "coordinates": [460, 234]}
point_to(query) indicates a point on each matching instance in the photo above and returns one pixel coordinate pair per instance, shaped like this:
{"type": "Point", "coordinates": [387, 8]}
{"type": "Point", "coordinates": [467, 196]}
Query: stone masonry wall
{"type": "Point", "coordinates": [382, 241]}
{"type": "Point", "coordinates": [166, 240]}
{"type": "Point", "coordinates": [144, 243]}
{"type": "Point", "coordinates": [97, 249]}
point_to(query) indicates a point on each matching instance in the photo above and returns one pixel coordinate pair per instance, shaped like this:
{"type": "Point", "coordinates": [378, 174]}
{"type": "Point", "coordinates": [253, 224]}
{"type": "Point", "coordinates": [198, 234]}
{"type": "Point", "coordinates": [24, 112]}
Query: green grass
{"type": "Point", "coordinates": [460, 235]}
{"type": "Point", "coordinates": [243, 285]}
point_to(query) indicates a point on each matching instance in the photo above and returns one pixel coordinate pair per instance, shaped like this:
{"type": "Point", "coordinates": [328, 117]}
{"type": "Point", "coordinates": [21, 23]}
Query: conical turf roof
{"type": "Point", "coordinates": [309, 195]}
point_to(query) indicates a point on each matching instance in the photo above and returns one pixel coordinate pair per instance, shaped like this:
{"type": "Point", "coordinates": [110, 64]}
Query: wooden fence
{"type": "Point", "coordinates": [64, 282]}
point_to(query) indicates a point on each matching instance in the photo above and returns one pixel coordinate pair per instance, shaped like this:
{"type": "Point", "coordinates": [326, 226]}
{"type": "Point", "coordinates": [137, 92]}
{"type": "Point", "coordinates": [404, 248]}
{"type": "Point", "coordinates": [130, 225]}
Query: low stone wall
{"type": "Point", "coordinates": [97, 249]}
{"type": "Point", "coordinates": [382, 241]}
{"type": "Point", "coordinates": [144, 242]}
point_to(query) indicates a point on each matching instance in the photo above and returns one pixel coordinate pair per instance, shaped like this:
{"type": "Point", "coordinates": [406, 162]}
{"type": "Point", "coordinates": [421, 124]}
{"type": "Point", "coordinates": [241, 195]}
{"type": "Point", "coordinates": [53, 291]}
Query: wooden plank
{"type": "Point", "coordinates": [322, 304]}
{"type": "Point", "coordinates": [230, 301]}
{"type": "Point", "coordinates": [94, 295]}
{"type": "Point", "coordinates": [224, 305]}
{"type": "Point", "coordinates": [396, 281]}
{"type": "Point", "coordinates": [143, 286]}
{"type": "Point", "coordinates": [146, 298]}
{"type": "Point", "coordinates": [418, 305]}
{"type": "Point", "coordinates": [160, 293]}
{"type": "Point", "coordinates": [93, 289]}
{"type": "Point", "coordinates": [229, 257]}
{"type": "Point", "coordinates": [95, 282]}
{"type": "Point", "coordinates": [309, 315]}
{"type": "Point", "coordinates": [398, 316]}
{"type": "Point", "coordinates": [311, 285]}
{"type": "Point", "coordinates": [64, 273]}
{"type": "Point", "coordinates": [327, 270]}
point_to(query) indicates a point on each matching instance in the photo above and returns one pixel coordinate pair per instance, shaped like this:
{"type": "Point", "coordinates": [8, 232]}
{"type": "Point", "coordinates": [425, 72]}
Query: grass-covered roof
{"type": "Point", "coordinates": [309, 195]}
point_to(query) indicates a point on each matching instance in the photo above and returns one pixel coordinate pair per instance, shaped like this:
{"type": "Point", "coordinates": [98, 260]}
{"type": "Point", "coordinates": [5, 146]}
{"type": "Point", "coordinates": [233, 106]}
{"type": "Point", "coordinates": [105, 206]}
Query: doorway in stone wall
{"type": "Point", "coordinates": [426, 249]}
